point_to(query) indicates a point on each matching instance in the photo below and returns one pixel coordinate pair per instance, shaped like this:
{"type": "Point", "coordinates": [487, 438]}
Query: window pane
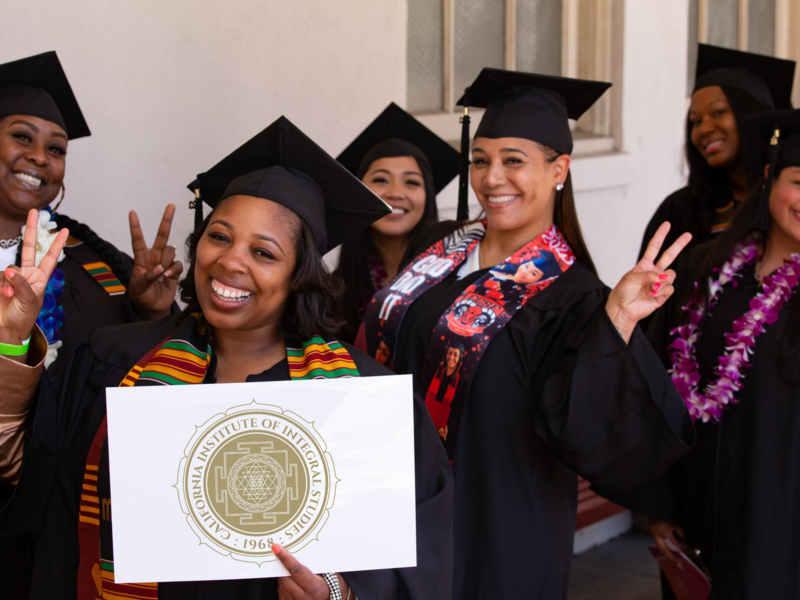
{"type": "Point", "coordinates": [761, 26]}
{"type": "Point", "coordinates": [693, 37]}
{"type": "Point", "coordinates": [425, 50]}
{"type": "Point", "coordinates": [479, 39]}
{"type": "Point", "coordinates": [723, 23]}
{"type": "Point", "coordinates": [539, 36]}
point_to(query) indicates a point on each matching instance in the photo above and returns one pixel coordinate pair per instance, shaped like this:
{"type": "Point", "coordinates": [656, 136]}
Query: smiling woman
{"type": "Point", "coordinates": [261, 307]}
{"type": "Point", "coordinates": [733, 349]}
{"type": "Point", "coordinates": [406, 164]}
{"type": "Point", "coordinates": [93, 284]}
{"type": "Point", "coordinates": [530, 368]}
{"type": "Point", "coordinates": [725, 157]}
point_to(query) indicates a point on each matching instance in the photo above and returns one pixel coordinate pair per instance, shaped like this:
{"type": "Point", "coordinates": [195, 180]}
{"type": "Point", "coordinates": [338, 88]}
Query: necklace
{"type": "Point", "coordinates": [10, 243]}
{"type": "Point", "coordinates": [765, 307]}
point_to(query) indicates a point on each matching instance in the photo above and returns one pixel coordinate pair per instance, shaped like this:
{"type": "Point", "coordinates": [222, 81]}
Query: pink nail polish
{"type": "Point", "coordinates": [656, 287]}
{"type": "Point", "coordinates": [663, 276]}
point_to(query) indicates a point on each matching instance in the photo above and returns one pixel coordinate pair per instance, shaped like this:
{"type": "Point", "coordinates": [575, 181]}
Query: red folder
{"type": "Point", "coordinates": [688, 581]}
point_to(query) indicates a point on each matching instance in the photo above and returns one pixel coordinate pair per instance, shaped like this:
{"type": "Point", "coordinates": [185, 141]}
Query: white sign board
{"type": "Point", "coordinates": [323, 467]}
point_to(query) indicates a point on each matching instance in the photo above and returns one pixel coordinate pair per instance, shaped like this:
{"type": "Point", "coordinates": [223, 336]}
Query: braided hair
{"type": "Point", "coordinates": [119, 262]}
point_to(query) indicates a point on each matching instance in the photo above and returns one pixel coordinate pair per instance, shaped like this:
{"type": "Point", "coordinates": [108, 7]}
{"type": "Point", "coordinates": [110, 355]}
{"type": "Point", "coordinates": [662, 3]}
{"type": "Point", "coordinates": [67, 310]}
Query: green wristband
{"type": "Point", "coordinates": [13, 349]}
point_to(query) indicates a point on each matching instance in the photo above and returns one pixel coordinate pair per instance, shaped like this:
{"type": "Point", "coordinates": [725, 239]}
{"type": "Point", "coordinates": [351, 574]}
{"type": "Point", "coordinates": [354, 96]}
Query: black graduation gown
{"type": "Point", "coordinates": [677, 209]}
{"type": "Point", "coordinates": [557, 391]}
{"type": "Point", "coordinates": [737, 494]}
{"type": "Point", "coordinates": [47, 502]}
{"type": "Point", "coordinates": [87, 307]}
{"type": "Point", "coordinates": [351, 301]}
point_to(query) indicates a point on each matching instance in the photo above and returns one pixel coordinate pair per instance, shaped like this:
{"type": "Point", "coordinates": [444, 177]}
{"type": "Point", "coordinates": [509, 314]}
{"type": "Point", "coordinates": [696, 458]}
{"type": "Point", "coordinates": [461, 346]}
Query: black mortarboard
{"type": "Point", "coordinates": [396, 133]}
{"type": "Point", "coordinates": [284, 165]}
{"type": "Point", "coordinates": [525, 105]}
{"type": "Point", "coordinates": [38, 87]}
{"type": "Point", "coordinates": [767, 79]}
{"type": "Point", "coordinates": [782, 128]}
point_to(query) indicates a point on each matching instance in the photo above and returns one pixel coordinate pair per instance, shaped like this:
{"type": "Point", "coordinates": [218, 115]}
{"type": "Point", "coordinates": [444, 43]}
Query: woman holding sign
{"type": "Point", "coordinates": [260, 308]}
{"type": "Point", "coordinates": [555, 377]}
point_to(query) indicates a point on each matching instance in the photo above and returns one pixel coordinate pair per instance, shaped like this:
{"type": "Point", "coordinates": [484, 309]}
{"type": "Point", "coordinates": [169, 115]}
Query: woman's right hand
{"type": "Point", "coordinates": [22, 288]}
{"type": "Point", "coordinates": [663, 531]}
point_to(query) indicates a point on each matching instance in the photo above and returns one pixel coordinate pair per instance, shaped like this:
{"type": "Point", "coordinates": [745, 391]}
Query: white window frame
{"type": "Point", "coordinates": [783, 29]}
{"type": "Point", "coordinates": [589, 51]}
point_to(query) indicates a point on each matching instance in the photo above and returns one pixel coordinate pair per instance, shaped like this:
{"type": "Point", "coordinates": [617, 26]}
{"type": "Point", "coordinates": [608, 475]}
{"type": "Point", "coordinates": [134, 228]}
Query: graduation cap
{"type": "Point", "coordinates": [38, 87]}
{"type": "Point", "coordinates": [284, 165]}
{"type": "Point", "coordinates": [769, 80]}
{"type": "Point", "coordinates": [396, 133]}
{"type": "Point", "coordinates": [524, 105]}
{"type": "Point", "coordinates": [782, 128]}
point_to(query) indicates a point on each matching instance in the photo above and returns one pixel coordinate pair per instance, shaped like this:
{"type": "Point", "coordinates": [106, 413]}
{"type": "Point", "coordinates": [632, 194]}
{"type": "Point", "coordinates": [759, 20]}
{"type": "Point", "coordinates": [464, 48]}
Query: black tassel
{"type": "Point", "coordinates": [463, 178]}
{"type": "Point", "coordinates": [762, 219]}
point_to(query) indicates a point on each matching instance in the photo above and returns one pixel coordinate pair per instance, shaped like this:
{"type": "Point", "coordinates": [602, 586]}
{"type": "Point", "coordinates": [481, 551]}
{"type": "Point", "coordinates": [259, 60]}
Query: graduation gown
{"type": "Point", "coordinates": [352, 302]}
{"type": "Point", "coordinates": [87, 307]}
{"type": "Point", "coordinates": [48, 495]}
{"type": "Point", "coordinates": [557, 391]}
{"type": "Point", "coordinates": [678, 210]}
{"type": "Point", "coordinates": [737, 494]}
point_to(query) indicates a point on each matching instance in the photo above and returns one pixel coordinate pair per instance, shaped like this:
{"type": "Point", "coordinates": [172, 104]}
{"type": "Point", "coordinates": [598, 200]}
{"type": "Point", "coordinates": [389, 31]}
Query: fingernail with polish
{"type": "Point", "coordinates": [663, 276]}
{"type": "Point", "coordinates": [276, 549]}
{"type": "Point", "coordinates": [167, 273]}
{"type": "Point", "coordinates": [656, 287]}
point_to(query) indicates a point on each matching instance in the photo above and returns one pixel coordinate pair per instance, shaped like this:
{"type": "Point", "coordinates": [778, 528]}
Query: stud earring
{"type": "Point", "coordinates": [559, 186]}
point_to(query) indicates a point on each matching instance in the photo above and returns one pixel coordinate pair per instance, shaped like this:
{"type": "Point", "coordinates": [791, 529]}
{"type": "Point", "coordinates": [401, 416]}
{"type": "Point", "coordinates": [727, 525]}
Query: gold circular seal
{"type": "Point", "coordinates": [255, 476]}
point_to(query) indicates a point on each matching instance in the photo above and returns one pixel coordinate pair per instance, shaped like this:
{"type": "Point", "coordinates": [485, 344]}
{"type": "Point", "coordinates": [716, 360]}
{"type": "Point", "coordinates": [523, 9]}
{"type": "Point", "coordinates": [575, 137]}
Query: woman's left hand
{"type": "Point", "coordinates": [301, 584]}
{"type": "Point", "coordinates": [155, 275]}
{"type": "Point", "coordinates": [647, 286]}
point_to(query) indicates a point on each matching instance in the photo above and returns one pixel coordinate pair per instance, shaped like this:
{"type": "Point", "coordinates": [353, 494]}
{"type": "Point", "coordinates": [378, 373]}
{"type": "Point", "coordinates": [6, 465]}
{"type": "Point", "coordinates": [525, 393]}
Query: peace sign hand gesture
{"type": "Point", "coordinates": [647, 286]}
{"type": "Point", "coordinates": [155, 274]}
{"type": "Point", "coordinates": [22, 288]}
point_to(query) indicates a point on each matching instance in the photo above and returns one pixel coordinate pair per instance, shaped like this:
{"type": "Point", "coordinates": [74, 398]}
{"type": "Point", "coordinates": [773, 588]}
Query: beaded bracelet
{"type": "Point", "coordinates": [13, 349]}
{"type": "Point", "coordinates": [333, 587]}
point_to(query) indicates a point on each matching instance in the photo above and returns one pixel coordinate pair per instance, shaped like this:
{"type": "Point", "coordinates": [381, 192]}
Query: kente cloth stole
{"type": "Point", "coordinates": [90, 261]}
{"type": "Point", "coordinates": [181, 359]}
{"type": "Point", "coordinates": [468, 326]}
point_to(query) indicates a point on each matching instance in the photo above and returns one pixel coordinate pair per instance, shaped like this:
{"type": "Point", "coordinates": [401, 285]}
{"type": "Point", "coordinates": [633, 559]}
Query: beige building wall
{"type": "Point", "coordinates": [169, 87]}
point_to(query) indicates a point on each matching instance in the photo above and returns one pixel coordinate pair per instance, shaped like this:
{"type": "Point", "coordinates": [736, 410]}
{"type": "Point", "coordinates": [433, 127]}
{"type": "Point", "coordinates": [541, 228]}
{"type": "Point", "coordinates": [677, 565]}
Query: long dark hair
{"type": "Point", "coordinates": [745, 222]}
{"type": "Point", "coordinates": [565, 215]}
{"type": "Point", "coordinates": [353, 267]}
{"type": "Point", "coordinates": [311, 308]}
{"type": "Point", "coordinates": [709, 187]}
{"type": "Point", "coordinates": [120, 264]}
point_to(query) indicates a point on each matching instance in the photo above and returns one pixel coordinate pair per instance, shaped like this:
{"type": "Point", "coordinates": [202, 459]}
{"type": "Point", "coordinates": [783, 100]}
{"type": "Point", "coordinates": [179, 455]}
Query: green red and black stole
{"type": "Point", "coordinates": [181, 359]}
{"type": "Point", "coordinates": [90, 261]}
{"type": "Point", "coordinates": [466, 328]}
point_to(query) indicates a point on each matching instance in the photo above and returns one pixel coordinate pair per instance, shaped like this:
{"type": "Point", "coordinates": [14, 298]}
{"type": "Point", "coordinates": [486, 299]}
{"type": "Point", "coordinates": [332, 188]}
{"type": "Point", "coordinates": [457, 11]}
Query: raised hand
{"type": "Point", "coordinates": [647, 286]}
{"type": "Point", "coordinates": [22, 288]}
{"type": "Point", "coordinates": [302, 584]}
{"type": "Point", "coordinates": [155, 275]}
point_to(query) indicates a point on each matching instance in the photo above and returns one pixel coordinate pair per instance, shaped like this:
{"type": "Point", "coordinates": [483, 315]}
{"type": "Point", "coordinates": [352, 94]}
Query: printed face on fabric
{"type": "Point", "coordinates": [453, 357]}
{"type": "Point", "coordinates": [399, 182]}
{"type": "Point", "coordinates": [514, 182]}
{"type": "Point", "coordinates": [714, 131]}
{"type": "Point", "coordinates": [32, 164]}
{"type": "Point", "coordinates": [245, 262]}
{"type": "Point", "coordinates": [784, 205]}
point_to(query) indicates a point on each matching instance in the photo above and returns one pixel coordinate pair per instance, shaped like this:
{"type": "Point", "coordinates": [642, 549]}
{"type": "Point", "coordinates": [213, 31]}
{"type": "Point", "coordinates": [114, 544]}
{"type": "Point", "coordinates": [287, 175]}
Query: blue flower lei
{"type": "Point", "coordinates": [51, 317]}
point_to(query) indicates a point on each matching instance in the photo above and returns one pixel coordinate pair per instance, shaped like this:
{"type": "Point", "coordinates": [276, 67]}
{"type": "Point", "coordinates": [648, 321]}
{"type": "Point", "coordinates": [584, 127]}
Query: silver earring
{"type": "Point", "coordinates": [559, 186]}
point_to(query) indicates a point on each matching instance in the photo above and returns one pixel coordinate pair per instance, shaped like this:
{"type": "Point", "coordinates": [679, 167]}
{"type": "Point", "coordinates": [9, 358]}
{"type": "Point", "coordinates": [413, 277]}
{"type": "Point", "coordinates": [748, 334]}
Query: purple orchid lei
{"type": "Point", "coordinates": [765, 307]}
